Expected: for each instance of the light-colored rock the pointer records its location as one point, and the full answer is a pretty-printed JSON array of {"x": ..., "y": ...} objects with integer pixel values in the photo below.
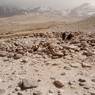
[
  {"x": 3, "y": 53},
  {"x": 85, "y": 64},
  {"x": 27, "y": 84},
  {"x": 17, "y": 56},
  {"x": 37, "y": 93},
  {"x": 75, "y": 65}
]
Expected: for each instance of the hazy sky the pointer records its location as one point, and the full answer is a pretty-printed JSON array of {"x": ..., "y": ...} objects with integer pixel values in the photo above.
[{"x": 58, "y": 4}]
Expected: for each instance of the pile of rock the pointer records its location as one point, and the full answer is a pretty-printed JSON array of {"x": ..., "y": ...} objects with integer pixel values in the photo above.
[{"x": 51, "y": 46}]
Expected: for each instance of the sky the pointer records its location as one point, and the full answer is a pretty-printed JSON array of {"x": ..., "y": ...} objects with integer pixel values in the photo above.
[{"x": 56, "y": 4}]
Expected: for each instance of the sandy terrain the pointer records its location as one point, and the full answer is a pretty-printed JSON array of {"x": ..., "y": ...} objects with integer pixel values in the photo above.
[{"x": 43, "y": 59}]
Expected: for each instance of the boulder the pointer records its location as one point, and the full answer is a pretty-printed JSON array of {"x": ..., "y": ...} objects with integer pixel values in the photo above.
[
  {"x": 58, "y": 84},
  {"x": 17, "y": 56},
  {"x": 27, "y": 84}
]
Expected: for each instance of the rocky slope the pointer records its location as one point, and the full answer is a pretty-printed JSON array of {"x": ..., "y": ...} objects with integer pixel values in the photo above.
[{"x": 48, "y": 63}]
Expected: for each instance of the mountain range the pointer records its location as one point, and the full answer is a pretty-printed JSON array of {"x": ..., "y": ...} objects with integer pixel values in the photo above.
[
  {"x": 6, "y": 11},
  {"x": 84, "y": 10}
]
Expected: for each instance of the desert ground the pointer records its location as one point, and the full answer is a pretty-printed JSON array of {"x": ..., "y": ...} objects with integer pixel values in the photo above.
[{"x": 47, "y": 56}]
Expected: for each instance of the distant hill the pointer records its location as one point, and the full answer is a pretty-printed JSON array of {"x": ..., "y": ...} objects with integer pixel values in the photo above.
[
  {"x": 6, "y": 11},
  {"x": 87, "y": 25},
  {"x": 43, "y": 11},
  {"x": 84, "y": 10}
]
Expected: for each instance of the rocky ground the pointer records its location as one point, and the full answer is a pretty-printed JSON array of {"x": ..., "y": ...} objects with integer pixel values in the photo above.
[{"x": 49, "y": 63}]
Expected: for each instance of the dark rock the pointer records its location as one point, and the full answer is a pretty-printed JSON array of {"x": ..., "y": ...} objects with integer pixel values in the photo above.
[
  {"x": 62, "y": 74},
  {"x": 82, "y": 80},
  {"x": 17, "y": 89},
  {"x": 87, "y": 53},
  {"x": 93, "y": 93},
  {"x": 39, "y": 80},
  {"x": 63, "y": 36},
  {"x": 50, "y": 91},
  {"x": 24, "y": 61},
  {"x": 59, "y": 93},
  {"x": 67, "y": 36},
  {"x": 35, "y": 48},
  {"x": 58, "y": 84},
  {"x": 19, "y": 93},
  {"x": 81, "y": 84},
  {"x": 86, "y": 87},
  {"x": 67, "y": 68}
]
